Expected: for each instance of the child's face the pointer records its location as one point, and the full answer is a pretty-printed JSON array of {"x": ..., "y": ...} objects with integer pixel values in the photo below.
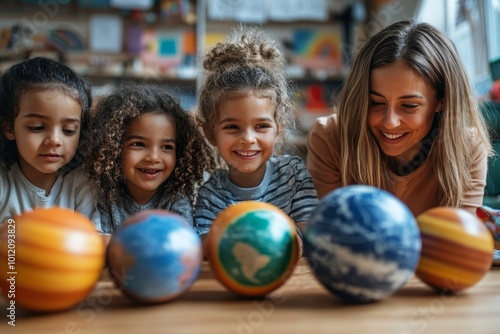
[
  {"x": 245, "y": 134},
  {"x": 148, "y": 155},
  {"x": 46, "y": 130}
]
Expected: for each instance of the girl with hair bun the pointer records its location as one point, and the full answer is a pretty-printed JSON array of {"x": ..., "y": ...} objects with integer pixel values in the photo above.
[{"x": 246, "y": 112}]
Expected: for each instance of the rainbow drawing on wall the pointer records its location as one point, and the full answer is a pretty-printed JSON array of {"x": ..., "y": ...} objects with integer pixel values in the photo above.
[{"x": 317, "y": 49}]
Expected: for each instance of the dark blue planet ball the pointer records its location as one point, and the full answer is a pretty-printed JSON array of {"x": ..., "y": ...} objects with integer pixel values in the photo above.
[
  {"x": 155, "y": 256},
  {"x": 362, "y": 243}
]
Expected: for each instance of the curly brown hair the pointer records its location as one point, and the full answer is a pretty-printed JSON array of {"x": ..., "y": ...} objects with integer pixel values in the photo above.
[
  {"x": 249, "y": 62},
  {"x": 112, "y": 115}
]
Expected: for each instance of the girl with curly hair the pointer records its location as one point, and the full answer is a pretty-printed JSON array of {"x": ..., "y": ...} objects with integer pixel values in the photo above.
[
  {"x": 147, "y": 153},
  {"x": 246, "y": 112}
]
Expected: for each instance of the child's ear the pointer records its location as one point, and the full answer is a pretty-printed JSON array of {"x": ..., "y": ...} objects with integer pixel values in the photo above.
[
  {"x": 208, "y": 134},
  {"x": 7, "y": 131}
]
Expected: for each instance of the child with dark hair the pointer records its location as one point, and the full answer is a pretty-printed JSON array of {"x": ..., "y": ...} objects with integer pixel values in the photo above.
[
  {"x": 147, "y": 153},
  {"x": 44, "y": 107}
]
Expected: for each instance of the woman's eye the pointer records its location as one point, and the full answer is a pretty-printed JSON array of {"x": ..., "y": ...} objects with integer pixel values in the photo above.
[
  {"x": 376, "y": 104},
  {"x": 410, "y": 106}
]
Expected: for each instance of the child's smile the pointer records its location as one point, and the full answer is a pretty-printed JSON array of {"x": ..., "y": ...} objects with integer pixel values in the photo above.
[
  {"x": 148, "y": 155},
  {"x": 245, "y": 136}
]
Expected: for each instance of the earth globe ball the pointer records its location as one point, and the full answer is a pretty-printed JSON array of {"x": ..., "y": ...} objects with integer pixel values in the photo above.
[
  {"x": 457, "y": 249},
  {"x": 362, "y": 243},
  {"x": 50, "y": 259},
  {"x": 155, "y": 256},
  {"x": 252, "y": 248}
]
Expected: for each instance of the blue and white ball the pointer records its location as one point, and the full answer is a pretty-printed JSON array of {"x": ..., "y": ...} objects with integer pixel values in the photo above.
[{"x": 362, "y": 243}]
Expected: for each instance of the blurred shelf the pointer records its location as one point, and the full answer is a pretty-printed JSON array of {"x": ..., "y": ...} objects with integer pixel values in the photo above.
[{"x": 161, "y": 79}]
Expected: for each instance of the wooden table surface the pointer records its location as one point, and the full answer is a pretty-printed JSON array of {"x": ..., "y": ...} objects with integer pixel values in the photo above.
[{"x": 301, "y": 305}]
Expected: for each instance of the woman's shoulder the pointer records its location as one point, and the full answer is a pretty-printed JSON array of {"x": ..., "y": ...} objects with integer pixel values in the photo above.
[
  {"x": 324, "y": 127},
  {"x": 325, "y": 122},
  {"x": 474, "y": 137}
]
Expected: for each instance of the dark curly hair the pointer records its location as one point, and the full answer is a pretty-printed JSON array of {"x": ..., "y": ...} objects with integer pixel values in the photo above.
[
  {"x": 37, "y": 75},
  {"x": 248, "y": 62},
  {"x": 112, "y": 115}
]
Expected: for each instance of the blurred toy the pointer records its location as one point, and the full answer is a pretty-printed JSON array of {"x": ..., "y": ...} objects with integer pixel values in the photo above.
[
  {"x": 456, "y": 249},
  {"x": 362, "y": 243},
  {"x": 155, "y": 256},
  {"x": 252, "y": 248},
  {"x": 495, "y": 91},
  {"x": 491, "y": 217},
  {"x": 50, "y": 259}
]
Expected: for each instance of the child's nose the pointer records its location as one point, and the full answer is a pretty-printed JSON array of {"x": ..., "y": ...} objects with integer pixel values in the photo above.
[
  {"x": 153, "y": 155},
  {"x": 248, "y": 136},
  {"x": 53, "y": 139}
]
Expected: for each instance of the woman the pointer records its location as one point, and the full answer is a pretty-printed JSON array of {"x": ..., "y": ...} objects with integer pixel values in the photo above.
[{"x": 407, "y": 122}]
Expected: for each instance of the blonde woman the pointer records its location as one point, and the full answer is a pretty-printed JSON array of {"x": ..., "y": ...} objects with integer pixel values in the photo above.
[{"x": 407, "y": 121}]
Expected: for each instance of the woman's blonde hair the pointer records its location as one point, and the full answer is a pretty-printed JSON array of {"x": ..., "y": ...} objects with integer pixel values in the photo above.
[{"x": 433, "y": 56}]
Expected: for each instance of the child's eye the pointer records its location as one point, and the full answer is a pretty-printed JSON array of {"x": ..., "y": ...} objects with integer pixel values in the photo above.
[
  {"x": 231, "y": 126},
  {"x": 168, "y": 147},
  {"x": 137, "y": 144},
  {"x": 69, "y": 132},
  {"x": 263, "y": 126},
  {"x": 36, "y": 128}
]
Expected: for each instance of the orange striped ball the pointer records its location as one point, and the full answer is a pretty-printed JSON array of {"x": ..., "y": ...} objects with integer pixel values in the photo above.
[
  {"x": 56, "y": 259},
  {"x": 456, "y": 249}
]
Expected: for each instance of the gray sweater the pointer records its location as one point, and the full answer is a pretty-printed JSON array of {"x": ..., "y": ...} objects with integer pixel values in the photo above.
[{"x": 111, "y": 217}]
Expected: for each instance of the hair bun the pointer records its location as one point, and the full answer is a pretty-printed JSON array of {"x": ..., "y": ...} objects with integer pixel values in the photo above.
[{"x": 244, "y": 48}]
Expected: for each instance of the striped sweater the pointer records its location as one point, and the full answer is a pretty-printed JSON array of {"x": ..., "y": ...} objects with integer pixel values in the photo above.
[{"x": 286, "y": 184}]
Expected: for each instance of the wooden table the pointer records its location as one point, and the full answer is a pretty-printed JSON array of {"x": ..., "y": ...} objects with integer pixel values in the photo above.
[{"x": 301, "y": 305}]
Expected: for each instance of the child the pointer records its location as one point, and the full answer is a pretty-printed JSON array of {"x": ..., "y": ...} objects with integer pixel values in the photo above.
[
  {"x": 44, "y": 108},
  {"x": 245, "y": 110},
  {"x": 147, "y": 153}
]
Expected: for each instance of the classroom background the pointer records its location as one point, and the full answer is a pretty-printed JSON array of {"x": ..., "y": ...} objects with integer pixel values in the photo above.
[{"x": 160, "y": 41}]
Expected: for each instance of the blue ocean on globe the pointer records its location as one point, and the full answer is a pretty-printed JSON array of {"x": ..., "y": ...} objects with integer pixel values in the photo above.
[
  {"x": 164, "y": 255},
  {"x": 362, "y": 243}
]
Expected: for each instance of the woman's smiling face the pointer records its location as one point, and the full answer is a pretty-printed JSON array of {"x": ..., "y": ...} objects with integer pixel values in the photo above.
[{"x": 402, "y": 109}]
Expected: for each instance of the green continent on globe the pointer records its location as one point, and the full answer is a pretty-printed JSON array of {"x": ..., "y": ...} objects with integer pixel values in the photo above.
[
  {"x": 257, "y": 248},
  {"x": 250, "y": 260}
]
